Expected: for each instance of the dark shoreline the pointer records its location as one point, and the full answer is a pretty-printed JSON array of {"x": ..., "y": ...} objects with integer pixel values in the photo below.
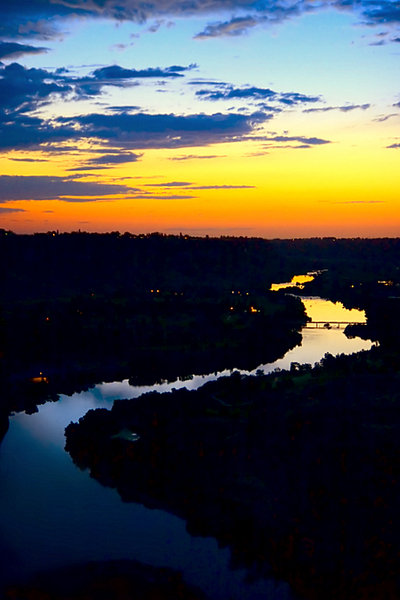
[{"x": 296, "y": 472}]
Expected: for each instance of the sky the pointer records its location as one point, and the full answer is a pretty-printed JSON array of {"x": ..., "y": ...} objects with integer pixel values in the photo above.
[{"x": 269, "y": 118}]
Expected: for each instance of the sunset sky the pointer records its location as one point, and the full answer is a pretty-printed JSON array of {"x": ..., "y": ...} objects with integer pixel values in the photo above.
[{"x": 272, "y": 118}]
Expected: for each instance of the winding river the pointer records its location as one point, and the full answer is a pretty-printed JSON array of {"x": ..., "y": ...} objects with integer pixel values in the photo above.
[{"x": 53, "y": 515}]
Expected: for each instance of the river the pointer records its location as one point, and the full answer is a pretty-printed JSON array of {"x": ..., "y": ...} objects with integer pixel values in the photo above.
[{"x": 53, "y": 515}]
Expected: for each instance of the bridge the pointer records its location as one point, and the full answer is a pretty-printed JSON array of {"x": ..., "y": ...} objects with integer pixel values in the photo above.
[{"x": 331, "y": 324}]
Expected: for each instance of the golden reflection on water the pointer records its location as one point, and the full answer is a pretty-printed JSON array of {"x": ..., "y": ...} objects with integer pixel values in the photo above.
[
  {"x": 297, "y": 280},
  {"x": 319, "y": 309}
]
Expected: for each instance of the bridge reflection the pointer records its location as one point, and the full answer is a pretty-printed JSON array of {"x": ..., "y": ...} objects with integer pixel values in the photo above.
[{"x": 332, "y": 324}]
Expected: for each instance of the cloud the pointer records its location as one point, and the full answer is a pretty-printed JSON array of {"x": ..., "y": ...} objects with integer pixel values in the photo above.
[
  {"x": 191, "y": 186},
  {"x": 383, "y": 118},
  {"x": 381, "y": 12},
  {"x": 6, "y": 210},
  {"x": 14, "y": 50},
  {"x": 162, "y": 197},
  {"x": 292, "y": 98},
  {"x": 196, "y": 156},
  {"x": 141, "y": 131},
  {"x": 127, "y": 131},
  {"x": 305, "y": 141},
  {"x": 222, "y": 187},
  {"x": 30, "y": 160},
  {"x": 393, "y": 146},
  {"x": 121, "y": 77},
  {"x": 115, "y": 159},
  {"x": 345, "y": 108},
  {"x": 108, "y": 160},
  {"x": 227, "y": 92},
  {"x": 233, "y": 28},
  {"x": 120, "y": 47},
  {"x": 25, "y": 89},
  {"x": 115, "y": 72},
  {"x": 40, "y": 187},
  {"x": 48, "y": 19},
  {"x": 170, "y": 184},
  {"x": 19, "y": 131}
]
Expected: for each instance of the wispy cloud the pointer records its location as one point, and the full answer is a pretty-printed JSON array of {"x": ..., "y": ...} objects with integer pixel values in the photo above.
[
  {"x": 13, "y": 50},
  {"x": 4, "y": 210},
  {"x": 197, "y": 156},
  {"x": 232, "y": 28},
  {"x": 40, "y": 187},
  {"x": 345, "y": 108},
  {"x": 383, "y": 118},
  {"x": 223, "y": 91},
  {"x": 107, "y": 160}
]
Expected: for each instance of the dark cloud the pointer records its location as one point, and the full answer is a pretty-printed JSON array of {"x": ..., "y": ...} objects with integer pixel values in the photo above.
[
  {"x": 109, "y": 160},
  {"x": 292, "y": 98},
  {"x": 14, "y": 50},
  {"x": 127, "y": 131},
  {"x": 305, "y": 141},
  {"x": 40, "y": 187},
  {"x": 393, "y": 146},
  {"x": 206, "y": 82},
  {"x": 25, "y": 89},
  {"x": 115, "y": 159},
  {"x": 115, "y": 72},
  {"x": 141, "y": 131},
  {"x": 19, "y": 131},
  {"x": 117, "y": 76},
  {"x": 344, "y": 108},
  {"x": 228, "y": 92},
  {"x": 46, "y": 19},
  {"x": 381, "y": 12},
  {"x": 30, "y": 160},
  {"x": 6, "y": 210}
]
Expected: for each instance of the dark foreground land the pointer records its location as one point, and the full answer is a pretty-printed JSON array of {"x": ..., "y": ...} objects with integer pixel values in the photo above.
[{"x": 297, "y": 472}]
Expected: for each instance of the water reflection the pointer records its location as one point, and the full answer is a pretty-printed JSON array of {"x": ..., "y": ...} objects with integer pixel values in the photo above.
[
  {"x": 319, "y": 309},
  {"x": 297, "y": 281},
  {"x": 51, "y": 514}
]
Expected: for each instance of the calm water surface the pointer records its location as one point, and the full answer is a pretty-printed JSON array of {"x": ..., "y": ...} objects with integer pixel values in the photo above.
[{"x": 52, "y": 514}]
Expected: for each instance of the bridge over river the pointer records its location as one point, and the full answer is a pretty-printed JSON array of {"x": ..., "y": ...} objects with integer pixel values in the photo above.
[{"x": 332, "y": 324}]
